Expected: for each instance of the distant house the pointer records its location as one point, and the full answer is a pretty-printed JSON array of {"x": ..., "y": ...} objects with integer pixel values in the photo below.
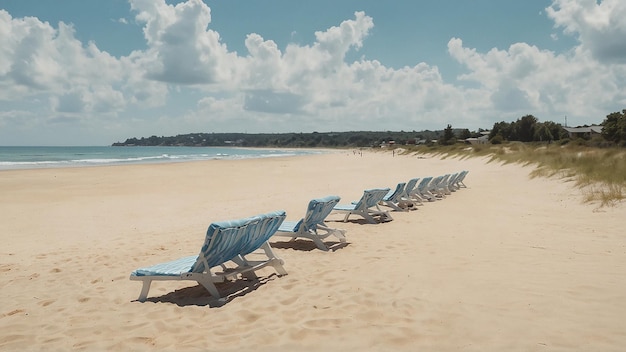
[
  {"x": 483, "y": 139},
  {"x": 415, "y": 141},
  {"x": 583, "y": 132}
]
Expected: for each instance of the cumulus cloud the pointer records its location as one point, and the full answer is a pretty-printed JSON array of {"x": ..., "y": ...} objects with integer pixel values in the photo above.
[
  {"x": 508, "y": 97},
  {"x": 527, "y": 79},
  {"x": 302, "y": 75},
  {"x": 38, "y": 59},
  {"x": 600, "y": 26},
  {"x": 273, "y": 102},
  {"x": 181, "y": 48}
]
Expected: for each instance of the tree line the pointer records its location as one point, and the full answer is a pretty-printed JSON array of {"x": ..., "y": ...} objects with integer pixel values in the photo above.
[
  {"x": 614, "y": 128},
  {"x": 525, "y": 129},
  {"x": 529, "y": 129},
  {"x": 287, "y": 140}
]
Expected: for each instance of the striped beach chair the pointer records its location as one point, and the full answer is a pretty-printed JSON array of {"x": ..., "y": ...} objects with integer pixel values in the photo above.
[
  {"x": 312, "y": 225},
  {"x": 366, "y": 207},
  {"x": 226, "y": 241}
]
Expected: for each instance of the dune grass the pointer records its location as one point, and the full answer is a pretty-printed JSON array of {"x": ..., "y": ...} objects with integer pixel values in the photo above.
[{"x": 600, "y": 173}]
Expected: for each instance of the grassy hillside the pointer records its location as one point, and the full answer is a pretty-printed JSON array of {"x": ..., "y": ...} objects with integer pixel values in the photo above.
[{"x": 600, "y": 173}]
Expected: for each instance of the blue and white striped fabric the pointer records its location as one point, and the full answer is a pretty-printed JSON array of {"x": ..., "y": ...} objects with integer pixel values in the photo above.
[
  {"x": 392, "y": 196},
  {"x": 370, "y": 198},
  {"x": 224, "y": 241},
  {"x": 173, "y": 268},
  {"x": 410, "y": 186},
  {"x": 425, "y": 181},
  {"x": 317, "y": 211}
]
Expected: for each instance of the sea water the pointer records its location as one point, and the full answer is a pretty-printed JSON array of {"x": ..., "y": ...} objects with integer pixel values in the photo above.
[{"x": 54, "y": 157}]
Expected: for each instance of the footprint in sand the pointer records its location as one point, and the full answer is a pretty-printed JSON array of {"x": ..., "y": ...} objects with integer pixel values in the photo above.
[
  {"x": 13, "y": 312},
  {"x": 288, "y": 301},
  {"x": 46, "y": 302},
  {"x": 324, "y": 324}
]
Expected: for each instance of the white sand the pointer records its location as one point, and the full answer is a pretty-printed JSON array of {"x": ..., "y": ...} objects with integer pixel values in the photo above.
[{"x": 509, "y": 263}]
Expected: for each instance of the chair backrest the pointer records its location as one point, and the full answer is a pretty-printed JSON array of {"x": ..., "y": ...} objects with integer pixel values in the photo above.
[
  {"x": 434, "y": 183},
  {"x": 227, "y": 239},
  {"x": 391, "y": 196},
  {"x": 453, "y": 178},
  {"x": 371, "y": 197},
  {"x": 443, "y": 181},
  {"x": 317, "y": 211},
  {"x": 425, "y": 181},
  {"x": 410, "y": 185},
  {"x": 462, "y": 176}
]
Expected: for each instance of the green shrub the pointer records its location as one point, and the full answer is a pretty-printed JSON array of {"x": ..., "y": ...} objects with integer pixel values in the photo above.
[{"x": 497, "y": 139}]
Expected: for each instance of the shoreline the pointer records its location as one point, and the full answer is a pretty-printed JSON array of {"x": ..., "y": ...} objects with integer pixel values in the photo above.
[
  {"x": 507, "y": 263},
  {"x": 34, "y": 158}
]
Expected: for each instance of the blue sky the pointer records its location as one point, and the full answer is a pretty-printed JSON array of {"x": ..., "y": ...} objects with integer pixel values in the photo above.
[{"x": 76, "y": 72}]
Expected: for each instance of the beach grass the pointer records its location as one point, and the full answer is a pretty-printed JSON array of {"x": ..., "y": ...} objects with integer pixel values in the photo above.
[{"x": 600, "y": 173}]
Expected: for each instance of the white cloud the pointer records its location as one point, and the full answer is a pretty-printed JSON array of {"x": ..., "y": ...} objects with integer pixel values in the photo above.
[
  {"x": 600, "y": 26},
  {"x": 38, "y": 59},
  {"x": 181, "y": 49},
  {"x": 525, "y": 79},
  {"x": 290, "y": 82}
]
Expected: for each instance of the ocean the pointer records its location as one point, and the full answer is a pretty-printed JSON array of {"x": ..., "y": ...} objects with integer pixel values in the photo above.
[{"x": 54, "y": 157}]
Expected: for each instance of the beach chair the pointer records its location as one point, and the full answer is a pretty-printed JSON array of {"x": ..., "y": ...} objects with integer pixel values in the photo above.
[
  {"x": 367, "y": 206},
  {"x": 441, "y": 189},
  {"x": 392, "y": 198},
  {"x": 312, "y": 225},
  {"x": 409, "y": 190},
  {"x": 432, "y": 189},
  {"x": 452, "y": 182},
  {"x": 421, "y": 190},
  {"x": 445, "y": 184},
  {"x": 396, "y": 199},
  {"x": 459, "y": 181},
  {"x": 225, "y": 242}
]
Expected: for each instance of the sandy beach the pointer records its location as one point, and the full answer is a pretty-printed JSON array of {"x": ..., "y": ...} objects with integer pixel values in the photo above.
[{"x": 509, "y": 263}]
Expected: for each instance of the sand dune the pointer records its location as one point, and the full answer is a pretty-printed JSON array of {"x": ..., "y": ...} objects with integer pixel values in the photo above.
[{"x": 508, "y": 263}]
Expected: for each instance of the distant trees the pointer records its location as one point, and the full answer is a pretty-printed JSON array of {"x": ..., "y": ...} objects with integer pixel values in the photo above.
[
  {"x": 614, "y": 127},
  {"x": 502, "y": 130},
  {"x": 464, "y": 134},
  {"x": 549, "y": 131},
  {"x": 355, "y": 139},
  {"x": 448, "y": 136},
  {"x": 529, "y": 129},
  {"x": 526, "y": 129},
  {"x": 543, "y": 133}
]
